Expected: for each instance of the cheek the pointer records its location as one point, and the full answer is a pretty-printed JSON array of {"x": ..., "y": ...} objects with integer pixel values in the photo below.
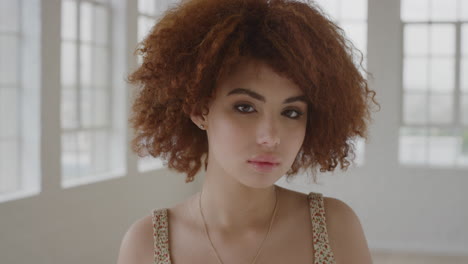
[
  {"x": 231, "y": 129},
  {"x": 225, "y": 127},
  {"x": 293, "y": 137},
  {"x": 297, "y": 138},
  {"x": 228, "y": 139}
]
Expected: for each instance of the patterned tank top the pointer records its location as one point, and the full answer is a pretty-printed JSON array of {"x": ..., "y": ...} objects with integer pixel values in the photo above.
[{"x": 323, "y": 252}]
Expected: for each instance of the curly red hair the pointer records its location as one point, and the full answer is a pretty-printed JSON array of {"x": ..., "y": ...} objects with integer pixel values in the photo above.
[{"x": 196, "y": 42}]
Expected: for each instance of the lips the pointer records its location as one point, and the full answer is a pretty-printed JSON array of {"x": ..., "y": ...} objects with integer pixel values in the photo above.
[
  {"x": 265, "y": 159},
  {"x": 262, "y": 162},
  {"x": 263, "y": 167}
]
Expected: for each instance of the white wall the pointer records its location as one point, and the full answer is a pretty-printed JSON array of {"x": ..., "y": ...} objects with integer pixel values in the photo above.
[{"x": 84, "y": 224}]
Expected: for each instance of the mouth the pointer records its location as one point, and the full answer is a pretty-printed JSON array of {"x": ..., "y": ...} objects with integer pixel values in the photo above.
[{"x": 262, "y": 162}]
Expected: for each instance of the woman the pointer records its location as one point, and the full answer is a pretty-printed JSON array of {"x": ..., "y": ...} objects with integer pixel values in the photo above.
[{"x": 261, "y": 89}]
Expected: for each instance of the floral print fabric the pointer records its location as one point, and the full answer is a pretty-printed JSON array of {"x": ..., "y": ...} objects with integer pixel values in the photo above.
[
  {"x": 323, "y": 252},
  {"x": 161, "y": 237}
]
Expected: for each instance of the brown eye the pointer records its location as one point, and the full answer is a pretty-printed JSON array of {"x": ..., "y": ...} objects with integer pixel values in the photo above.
[
  {"x": 296, "y": 113},
  {"x": 240, "y": 106}
]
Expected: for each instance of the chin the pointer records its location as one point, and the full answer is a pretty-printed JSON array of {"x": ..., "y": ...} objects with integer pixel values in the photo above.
[{"x": 256, "y": 182}]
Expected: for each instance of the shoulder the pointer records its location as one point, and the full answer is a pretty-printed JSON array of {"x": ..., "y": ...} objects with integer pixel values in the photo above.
[
  {"x": 345, "y": 233},
  {"x": 137, "y": 243}
]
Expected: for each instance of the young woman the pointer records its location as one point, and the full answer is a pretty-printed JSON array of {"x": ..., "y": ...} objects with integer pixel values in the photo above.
[{"x": 260, "y": 89}]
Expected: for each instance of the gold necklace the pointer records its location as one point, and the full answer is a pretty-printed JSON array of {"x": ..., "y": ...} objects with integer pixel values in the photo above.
[{"x": 259, "y": 249}]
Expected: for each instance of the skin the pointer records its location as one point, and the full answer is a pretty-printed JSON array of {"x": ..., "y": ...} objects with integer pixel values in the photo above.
[
  {"x": 238, "y": 201},
  {"x": 237, "y": 198}
]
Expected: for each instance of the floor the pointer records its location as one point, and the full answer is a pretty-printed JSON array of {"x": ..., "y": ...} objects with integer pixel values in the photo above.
[{"x": 408, "y": 258}]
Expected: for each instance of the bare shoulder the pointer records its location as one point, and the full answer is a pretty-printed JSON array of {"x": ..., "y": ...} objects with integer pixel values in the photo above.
[
  {"x": 293, "y": 198},
  {"x": 345, "y": 233},
  {"x": 137, "y": 244}
]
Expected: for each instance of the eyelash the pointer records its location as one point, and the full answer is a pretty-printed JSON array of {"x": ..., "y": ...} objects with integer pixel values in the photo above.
[{"x": 299, "y": 113}]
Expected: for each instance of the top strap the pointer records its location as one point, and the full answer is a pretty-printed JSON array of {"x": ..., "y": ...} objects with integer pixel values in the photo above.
[
  {"x": 161, "y": 238},
  {"x": 323, "y": 252}
]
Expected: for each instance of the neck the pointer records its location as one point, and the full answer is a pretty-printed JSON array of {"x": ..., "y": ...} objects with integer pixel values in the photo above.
[{"x": 231, "y": 207}]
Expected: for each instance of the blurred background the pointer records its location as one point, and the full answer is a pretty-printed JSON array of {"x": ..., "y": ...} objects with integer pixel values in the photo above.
[{"x": 70, "y": 186}]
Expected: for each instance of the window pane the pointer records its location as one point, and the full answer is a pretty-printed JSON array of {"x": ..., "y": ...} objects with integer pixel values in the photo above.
[
  {"x": 68, "y": 64},
  {"x": 444, "y": 10},
  {"x": 87, "y": 107},
  {"x": 8, "y": 165},
  {"x": 331, "y": 7},
  {"x": 416, "y": 39},
  {"x": 147, "y": 7},
  {"x": 100, "y": 148},
  {"x": 442, "y": 147},
  {"x": 86, "y": 21},
  {"x": 441, "y": 108},
  {"x": 8, "y": 60},
  {"x": 463, "y": 155},
  {"x": 102, "y": 106},
  {"x": 443, "y": 40},
  {"x": 101, "y": 65},
  {"x": 464, "y": 109},
  {"x": 414, "y": 10},
  {"x": 69, "y": 155},
  {"x": 355, "y": 10},
  {"x": 161, "y": 6},
  {"x": 463, "y": 10},
  {"x": 84, "y": 152},
  {"x": 85, "y": 102},
  {"x": 101, "y": 26},
  {"x": 142, "y": 5},
  {"x": 86, "y": 66},
  {"x": 69, "y": 18},
  {"x": 144, "y": 26},
  {"x": 415, "y": 76},
  {"x": 412, "y": 145},
  {"x": 464, "y": 36},
  {"x": 9, "y": 14},
  {"x": 69, "y": 111},
  {"x": 8, "y": 113},
  {"x": 414, "y": 108},
  {"x": 357, "y": 32},
  {"x": 464, "y": 74},
  {"x": 442, "y": 75}
]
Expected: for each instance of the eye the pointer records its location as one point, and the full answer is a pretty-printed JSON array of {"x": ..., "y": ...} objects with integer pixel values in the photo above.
[
  {"x": 296, "y": 113},
  {"x": 236, "y": 107}
]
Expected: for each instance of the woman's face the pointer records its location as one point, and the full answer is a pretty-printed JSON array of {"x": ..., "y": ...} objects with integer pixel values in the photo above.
[{"x": 251, "y": 115}]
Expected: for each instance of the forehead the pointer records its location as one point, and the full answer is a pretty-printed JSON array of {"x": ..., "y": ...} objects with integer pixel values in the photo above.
[{"x": 259, "y": 76}]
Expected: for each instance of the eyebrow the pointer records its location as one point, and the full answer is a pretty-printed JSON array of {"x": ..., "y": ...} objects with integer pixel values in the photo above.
[{"x": 259, "y": 97}]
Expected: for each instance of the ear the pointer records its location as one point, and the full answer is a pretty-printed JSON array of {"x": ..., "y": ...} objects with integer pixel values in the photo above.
[{"x": 198, "y": 120}]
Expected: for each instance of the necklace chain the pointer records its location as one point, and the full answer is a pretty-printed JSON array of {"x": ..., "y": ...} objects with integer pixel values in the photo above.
[{"x": 259, "y": 249}]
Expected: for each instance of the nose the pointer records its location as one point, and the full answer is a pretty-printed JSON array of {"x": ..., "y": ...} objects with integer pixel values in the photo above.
[{"x": 268, "y": 134}]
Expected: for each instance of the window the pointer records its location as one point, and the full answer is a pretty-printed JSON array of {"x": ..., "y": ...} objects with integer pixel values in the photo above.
[
  {"x": 434, "y": 118},
  {"x": 351, "y": 16},
  {"x": 19, "y": 98},
  {"x": 149, "y": 11},
  {"x": 91, "y": 142}
]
